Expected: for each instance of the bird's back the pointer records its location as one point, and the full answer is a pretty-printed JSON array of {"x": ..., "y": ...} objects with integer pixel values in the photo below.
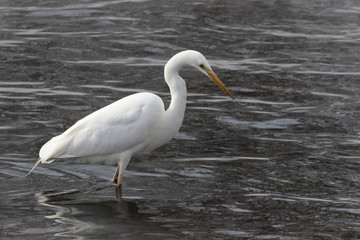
[{"x": 121, "y": 126}]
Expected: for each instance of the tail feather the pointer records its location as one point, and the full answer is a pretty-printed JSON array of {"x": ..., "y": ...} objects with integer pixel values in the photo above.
[{"x": 35, "y": 165}]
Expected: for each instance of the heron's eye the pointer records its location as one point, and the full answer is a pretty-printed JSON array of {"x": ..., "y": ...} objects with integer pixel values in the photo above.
[{"x": 202, "y": 66}]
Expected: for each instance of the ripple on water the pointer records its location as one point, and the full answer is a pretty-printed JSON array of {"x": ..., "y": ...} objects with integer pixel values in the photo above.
[
  {"x": 298, "y": 109},
  {"x": 304, "y": 198},
  {"x": 257, "y": 101},
  {"x": 185, "y": 136},
  {"x": 234, "y": 208},
  {"x": 337, "y": 73},
  {"x": 10, "y": 43},
  {"x": 233, "y": 233},
  {"x": 280, "y": 123},
  {"x": 63, "y": 13},
  {"x": 347, "y": 210},
  {"x": 119, "y": 89},
  {"x": 128, "y": 61},
  {"x": 219, "y": 159}
]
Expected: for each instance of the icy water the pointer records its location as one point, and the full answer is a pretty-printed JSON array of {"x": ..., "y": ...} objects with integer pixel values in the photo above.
[{"x": 281, "y": 162}]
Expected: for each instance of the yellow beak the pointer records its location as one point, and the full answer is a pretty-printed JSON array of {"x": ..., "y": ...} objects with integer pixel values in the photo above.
[{"x": 213, "y": 76}]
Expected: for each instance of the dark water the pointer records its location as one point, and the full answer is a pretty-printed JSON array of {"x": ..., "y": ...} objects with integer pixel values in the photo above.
[{"x": 282, "y": 162}]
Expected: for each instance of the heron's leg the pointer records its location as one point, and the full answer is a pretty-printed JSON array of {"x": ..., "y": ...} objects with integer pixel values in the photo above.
[
  {"x": 122, "y": 166},
  {"x": 115, "y": 178},
  {"x": 119, "y": 179},
  {"x": 118, "y": 192}
]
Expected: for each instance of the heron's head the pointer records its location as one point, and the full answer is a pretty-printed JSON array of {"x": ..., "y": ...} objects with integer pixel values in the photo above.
[
  {"x": 199, "y": 62},
  {"x": 191, "y": 58}
]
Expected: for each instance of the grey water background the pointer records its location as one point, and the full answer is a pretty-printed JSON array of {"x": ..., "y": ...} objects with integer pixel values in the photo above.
[{"x": 281, "y": 162}]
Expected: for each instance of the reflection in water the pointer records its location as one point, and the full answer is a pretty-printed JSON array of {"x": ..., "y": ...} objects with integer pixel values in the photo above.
[
  {"x": 102, "y": 219},
  {"x": 63, "y": 215}
]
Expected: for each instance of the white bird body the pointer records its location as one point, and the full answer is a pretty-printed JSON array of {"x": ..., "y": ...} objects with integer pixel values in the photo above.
[
  {"x": 134, "y": 124},
  {"x": 117, "y": 128}
]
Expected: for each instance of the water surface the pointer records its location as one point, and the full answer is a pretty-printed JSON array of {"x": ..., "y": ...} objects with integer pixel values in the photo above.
[{"x": 281, "y": 162}]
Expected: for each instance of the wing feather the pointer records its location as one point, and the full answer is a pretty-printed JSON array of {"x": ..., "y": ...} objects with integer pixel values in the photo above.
[{"x": 113, "y": 129}]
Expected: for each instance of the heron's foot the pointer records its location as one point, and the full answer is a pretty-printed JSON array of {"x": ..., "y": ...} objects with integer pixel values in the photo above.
[
  {"x": 117, "y": 178},
  {"x": 116, "y": 181}
]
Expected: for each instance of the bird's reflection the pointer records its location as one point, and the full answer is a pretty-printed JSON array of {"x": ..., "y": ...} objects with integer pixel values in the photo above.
[{"x": 82, "y": 215}]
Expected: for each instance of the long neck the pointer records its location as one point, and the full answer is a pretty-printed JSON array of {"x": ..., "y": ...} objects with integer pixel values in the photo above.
[{"x": 178, "y": 93}]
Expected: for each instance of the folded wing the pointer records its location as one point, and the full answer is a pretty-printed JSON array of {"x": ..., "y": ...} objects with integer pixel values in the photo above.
[{"x": 113, "y": 129}]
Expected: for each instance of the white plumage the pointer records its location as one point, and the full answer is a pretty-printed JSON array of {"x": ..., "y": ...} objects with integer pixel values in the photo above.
[{"x": 133, "y": 124}]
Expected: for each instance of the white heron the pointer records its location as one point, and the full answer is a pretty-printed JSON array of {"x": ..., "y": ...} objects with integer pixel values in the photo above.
[{"x": 133, "y": 124}]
